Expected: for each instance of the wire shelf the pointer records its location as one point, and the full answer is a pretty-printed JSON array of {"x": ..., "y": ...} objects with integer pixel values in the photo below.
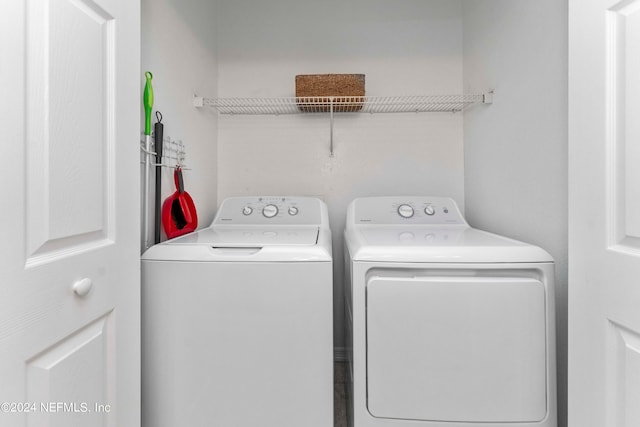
[
  {"x": 344, "y": 104},
  {"x": 361, "y": 104}
]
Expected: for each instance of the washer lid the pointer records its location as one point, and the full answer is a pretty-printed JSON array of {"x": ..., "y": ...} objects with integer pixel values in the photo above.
[
  {"x": 437, "y": 244},
  {"x": 234, "y": 237},
  {"x": 246, "y": 244}
]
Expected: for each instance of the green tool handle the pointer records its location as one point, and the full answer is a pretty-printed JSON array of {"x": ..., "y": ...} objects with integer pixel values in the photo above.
[{"x": 148, "y": 103}]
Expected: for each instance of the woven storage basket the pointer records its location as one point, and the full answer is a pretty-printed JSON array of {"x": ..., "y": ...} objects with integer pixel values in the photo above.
[{"x": 346, "y": 89}]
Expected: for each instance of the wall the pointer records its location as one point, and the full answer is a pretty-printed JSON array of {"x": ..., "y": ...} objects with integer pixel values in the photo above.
[
  {"x": 179, "y": 48},
  {"x": 413, "y": 47},
  {"x": 516, "y": 150}
]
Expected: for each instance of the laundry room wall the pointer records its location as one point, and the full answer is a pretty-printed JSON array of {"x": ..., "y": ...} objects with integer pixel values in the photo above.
[
  {"x": 516, "y": 150},
  {"x": 179, "y": 48},
  {"x": 412, "y": 47}
]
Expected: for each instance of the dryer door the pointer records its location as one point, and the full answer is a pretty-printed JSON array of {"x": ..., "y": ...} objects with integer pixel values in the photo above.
[{"x": 465, "y": 349}]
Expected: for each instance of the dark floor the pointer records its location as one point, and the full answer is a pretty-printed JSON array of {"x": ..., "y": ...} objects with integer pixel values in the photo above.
[{"x": 339, "y": 401}]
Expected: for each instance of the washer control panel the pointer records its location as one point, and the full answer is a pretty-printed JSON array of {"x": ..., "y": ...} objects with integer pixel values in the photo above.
[
  {"x": 406, "y": 210},
  {"x": 275, "y": 210}
]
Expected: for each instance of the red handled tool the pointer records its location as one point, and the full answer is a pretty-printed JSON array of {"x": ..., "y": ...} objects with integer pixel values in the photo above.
[{"x": 179, "y": 214}]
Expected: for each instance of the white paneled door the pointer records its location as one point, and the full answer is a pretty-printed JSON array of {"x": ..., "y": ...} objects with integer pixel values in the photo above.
[
  {"x": 604, "y": 222},
  {"x": 69, "y": 215}
]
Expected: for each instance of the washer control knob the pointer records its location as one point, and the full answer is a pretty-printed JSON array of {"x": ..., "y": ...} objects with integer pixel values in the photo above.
[
  {"x": 247, "y": 210},
  {"x": 405, "y": 211},
  {"x": 293, "y": 210},
  {"x": 429, "y": 210},
  {"x": 270, "y": 211}
]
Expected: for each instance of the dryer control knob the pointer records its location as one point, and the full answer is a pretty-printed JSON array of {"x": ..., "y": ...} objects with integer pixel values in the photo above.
[
  {"x": 405, "y": 211},
  {"x": 247, "y": 210},
  {"x": 270, "y": 211},
  {"x": 293, "y": 211},
  {"x": 429, "y": 210}
]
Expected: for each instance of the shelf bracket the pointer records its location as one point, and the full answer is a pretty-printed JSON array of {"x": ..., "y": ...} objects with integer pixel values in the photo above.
[{"x": 331, "y": 126}]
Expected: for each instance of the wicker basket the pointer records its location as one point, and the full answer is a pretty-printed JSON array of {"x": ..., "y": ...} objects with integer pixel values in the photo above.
[{"x": 346, "y": 89}]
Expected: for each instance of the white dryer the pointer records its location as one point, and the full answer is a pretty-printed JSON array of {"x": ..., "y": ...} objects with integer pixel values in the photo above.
[
  {"x": 237, "y": 319},
  {"x": 447, "y": 325}
]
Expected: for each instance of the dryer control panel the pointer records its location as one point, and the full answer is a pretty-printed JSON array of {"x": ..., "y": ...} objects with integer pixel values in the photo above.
[
  {"x": 272, "y": 210},
  {"x": 405, "y": 210}
]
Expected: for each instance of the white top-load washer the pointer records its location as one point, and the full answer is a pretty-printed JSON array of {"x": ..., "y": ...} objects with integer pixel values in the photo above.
[
  {"x": 447, "y": 325},
  {"x": 237, "y": 319}
]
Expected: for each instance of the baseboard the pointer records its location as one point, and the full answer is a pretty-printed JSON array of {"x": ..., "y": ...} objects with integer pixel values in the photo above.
[{"x": 340, "y": 354}]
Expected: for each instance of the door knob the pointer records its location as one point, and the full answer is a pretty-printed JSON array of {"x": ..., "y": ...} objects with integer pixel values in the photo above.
[{"x": 82, "y": 287}]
